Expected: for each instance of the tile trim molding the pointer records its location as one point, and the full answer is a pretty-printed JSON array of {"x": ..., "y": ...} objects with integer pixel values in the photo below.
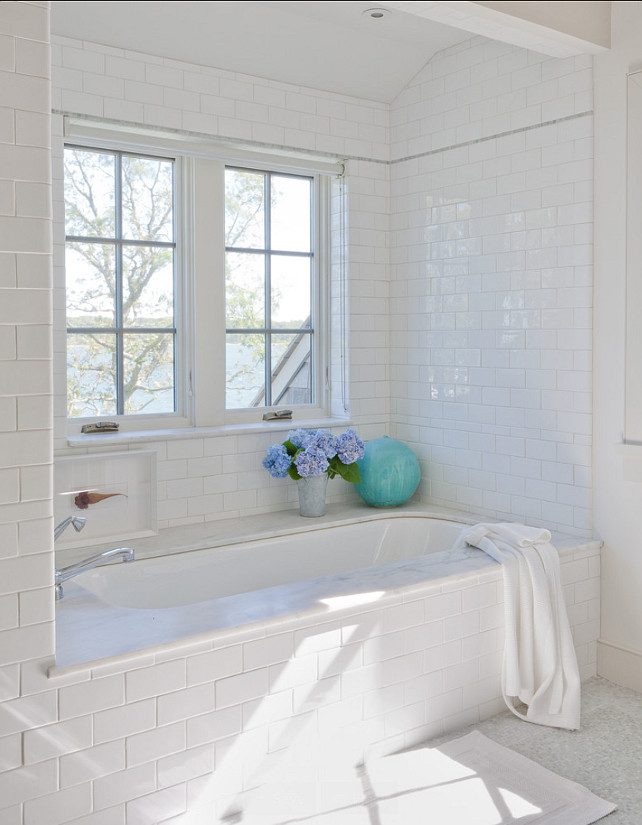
[
  {"x": 164, "y": 131},
  {"x": 619, "y": 664}
]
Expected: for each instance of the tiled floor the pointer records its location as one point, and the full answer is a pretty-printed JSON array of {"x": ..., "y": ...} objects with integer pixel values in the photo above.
[{"x": 604, "y": 756}]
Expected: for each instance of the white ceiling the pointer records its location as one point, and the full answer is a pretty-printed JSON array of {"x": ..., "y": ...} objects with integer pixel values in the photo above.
[{"x": 321, "y": 45}]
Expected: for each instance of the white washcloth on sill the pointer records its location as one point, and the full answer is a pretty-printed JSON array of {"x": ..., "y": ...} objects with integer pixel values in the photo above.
[{"x": 540, "y": 664}]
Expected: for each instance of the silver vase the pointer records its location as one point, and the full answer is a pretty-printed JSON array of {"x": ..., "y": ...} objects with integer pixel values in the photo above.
[{"x": 312, "y": 490}]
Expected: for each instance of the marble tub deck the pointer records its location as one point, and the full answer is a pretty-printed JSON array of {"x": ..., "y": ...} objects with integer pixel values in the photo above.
[{"x": 89, "y": 630}]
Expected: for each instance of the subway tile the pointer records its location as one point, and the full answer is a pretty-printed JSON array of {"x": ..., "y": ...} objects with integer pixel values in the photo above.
[
  {"x": 182, "y": 704},
  {"x": 242, "y": 687},
  {"x": 92, "y": 696},
  {"x": 126, "y": 720},
  {"x": 83, "y": 766},
  {"x": 10, "y": 752},
  {"x": 213, "y": 665},
  {"x": 60, "y": 807},
  {"x": 154, "y": 744},
  {"x": 148, "y": 682},
  {"x": 24, "y": 306},
  {"x": 210, "y": 727},
  {"x": 56, "y": 740},
  {"x": 186, "y": 765},
  {"x": 123, "y": 786},
  {"x": 163, "y": 803}
]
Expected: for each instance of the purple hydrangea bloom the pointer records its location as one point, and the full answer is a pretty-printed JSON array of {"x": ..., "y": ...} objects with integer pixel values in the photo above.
[
  {"x": 311, "y": 462},
  {"x": 301, "y": 438},
  {"x": 277, "y": 461},
  {"x": 325, "y": 441},
  {"x": 350, "y": 447}
]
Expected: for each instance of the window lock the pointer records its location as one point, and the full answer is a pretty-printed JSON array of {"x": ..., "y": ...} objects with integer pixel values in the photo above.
[
  {"x": 100, "y": 427},
  {"x": 277, "y": 415}
]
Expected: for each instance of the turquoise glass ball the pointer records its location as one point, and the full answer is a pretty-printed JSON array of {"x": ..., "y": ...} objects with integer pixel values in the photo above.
[{"x": 389, "y": 471}]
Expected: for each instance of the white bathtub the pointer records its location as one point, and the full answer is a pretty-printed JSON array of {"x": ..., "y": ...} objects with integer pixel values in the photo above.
[
  {"x": 177, "y": 597},
  {"x": 215, "y": 573}
]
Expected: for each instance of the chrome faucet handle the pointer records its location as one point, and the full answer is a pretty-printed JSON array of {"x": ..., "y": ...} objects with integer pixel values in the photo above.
[
  {"x": 126, "y": 554},
  {"x": 77, "y": 522}
]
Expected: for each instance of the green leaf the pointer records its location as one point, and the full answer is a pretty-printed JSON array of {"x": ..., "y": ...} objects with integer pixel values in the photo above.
[
  {"x": 293, "y": 472},
  {"x": 348, "y": 472},
  {"x": 289, "y": 446}
]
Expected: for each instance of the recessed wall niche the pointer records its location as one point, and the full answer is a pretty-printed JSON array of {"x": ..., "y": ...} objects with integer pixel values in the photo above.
[{"x": 116, "y": 492}]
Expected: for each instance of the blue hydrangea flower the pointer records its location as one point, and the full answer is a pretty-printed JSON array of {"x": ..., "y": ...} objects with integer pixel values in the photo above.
[
  {"x": 311, "y": 462},
  {"x": 350, "y": 447},
  {"x": 277, "y": 461},
  {"x": 301, "y": 438},
  {"x": 325, "y": 441}
]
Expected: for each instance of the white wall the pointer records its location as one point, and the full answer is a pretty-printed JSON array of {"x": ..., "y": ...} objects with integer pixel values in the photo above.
[
  {"x": 491, "y": 282},
  {"x": 26, "y": 543},
  {"x": 26, "y": 558},
  {"x": 617, "y": 501}
]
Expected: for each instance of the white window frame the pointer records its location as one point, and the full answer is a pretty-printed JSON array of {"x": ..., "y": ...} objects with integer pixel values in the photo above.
[
  {"x": 199, "y": 299},
  {"x": 178, "y": 417}
]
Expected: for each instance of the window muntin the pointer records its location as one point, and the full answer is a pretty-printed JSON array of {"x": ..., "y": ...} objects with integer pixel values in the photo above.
[
  {"x": 269, "y": 288},
  {"x": 120, "y": 275}
]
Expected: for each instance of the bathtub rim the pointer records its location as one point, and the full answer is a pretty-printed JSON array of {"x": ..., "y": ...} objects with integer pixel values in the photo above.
[{"x": 276, "y": 524}]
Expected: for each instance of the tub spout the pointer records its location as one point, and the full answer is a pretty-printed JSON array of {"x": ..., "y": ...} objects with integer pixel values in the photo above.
[{"x": 123, "y": 553}]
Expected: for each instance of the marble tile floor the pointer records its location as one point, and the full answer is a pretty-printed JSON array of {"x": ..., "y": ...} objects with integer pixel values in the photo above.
[{"x": 604, "y": 756}]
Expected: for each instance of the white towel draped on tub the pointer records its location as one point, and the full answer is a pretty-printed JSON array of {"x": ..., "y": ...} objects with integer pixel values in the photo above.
[{"x": 540, "y": 665}]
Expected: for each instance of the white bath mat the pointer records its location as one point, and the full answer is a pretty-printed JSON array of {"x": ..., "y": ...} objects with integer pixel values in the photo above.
[
  {"x": 468, "y": 781},
  {"x": 474, "y": 781}
]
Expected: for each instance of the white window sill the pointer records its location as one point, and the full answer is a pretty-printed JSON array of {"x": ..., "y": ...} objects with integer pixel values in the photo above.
[{"x": 254, "y": 428}]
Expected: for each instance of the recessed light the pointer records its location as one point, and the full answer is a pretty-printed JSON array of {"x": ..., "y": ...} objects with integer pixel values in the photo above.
[{"x": 376, "y": 14}]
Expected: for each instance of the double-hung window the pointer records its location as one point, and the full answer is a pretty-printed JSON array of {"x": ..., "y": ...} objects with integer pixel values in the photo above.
[{"x": 194, "y": 289}]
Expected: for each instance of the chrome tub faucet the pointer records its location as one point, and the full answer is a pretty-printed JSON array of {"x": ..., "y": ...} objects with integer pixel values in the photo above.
[{"x": 124, "y": 553}]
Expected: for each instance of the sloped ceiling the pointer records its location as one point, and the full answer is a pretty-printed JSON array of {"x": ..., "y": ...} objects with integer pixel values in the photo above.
[{"x": 322, "y": 45}]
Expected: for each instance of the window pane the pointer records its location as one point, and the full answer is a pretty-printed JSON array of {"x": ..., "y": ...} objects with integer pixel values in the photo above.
[
  {"x": 147, "y": 199},
  {"x": 244, "y": 290},
  {"x": 148, "y": 360},
  {"x": 91, "y": 374},
  {"x": 290, "y": 280},
  {"x": 244, "y": 209},
  {"x": 148, "y": 286},
  {"x": 91, "y": 284},
  {"x": 290, "y": 216},
  {"x": 291, "y": 380},
  {"x": 245, "y": 370},
  {"x": 89, "y": 194}
]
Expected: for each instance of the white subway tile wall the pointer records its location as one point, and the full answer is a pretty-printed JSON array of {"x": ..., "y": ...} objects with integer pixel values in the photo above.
[
  {"x": 469, "y": 262},
  {"x": 210, "y": 478},
  {"x": 491, "y": 281},
  {"x": 26, "y": 537}
]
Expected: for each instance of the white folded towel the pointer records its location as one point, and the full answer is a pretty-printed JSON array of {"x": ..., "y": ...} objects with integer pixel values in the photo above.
[{"x": 540, "y": 664}]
